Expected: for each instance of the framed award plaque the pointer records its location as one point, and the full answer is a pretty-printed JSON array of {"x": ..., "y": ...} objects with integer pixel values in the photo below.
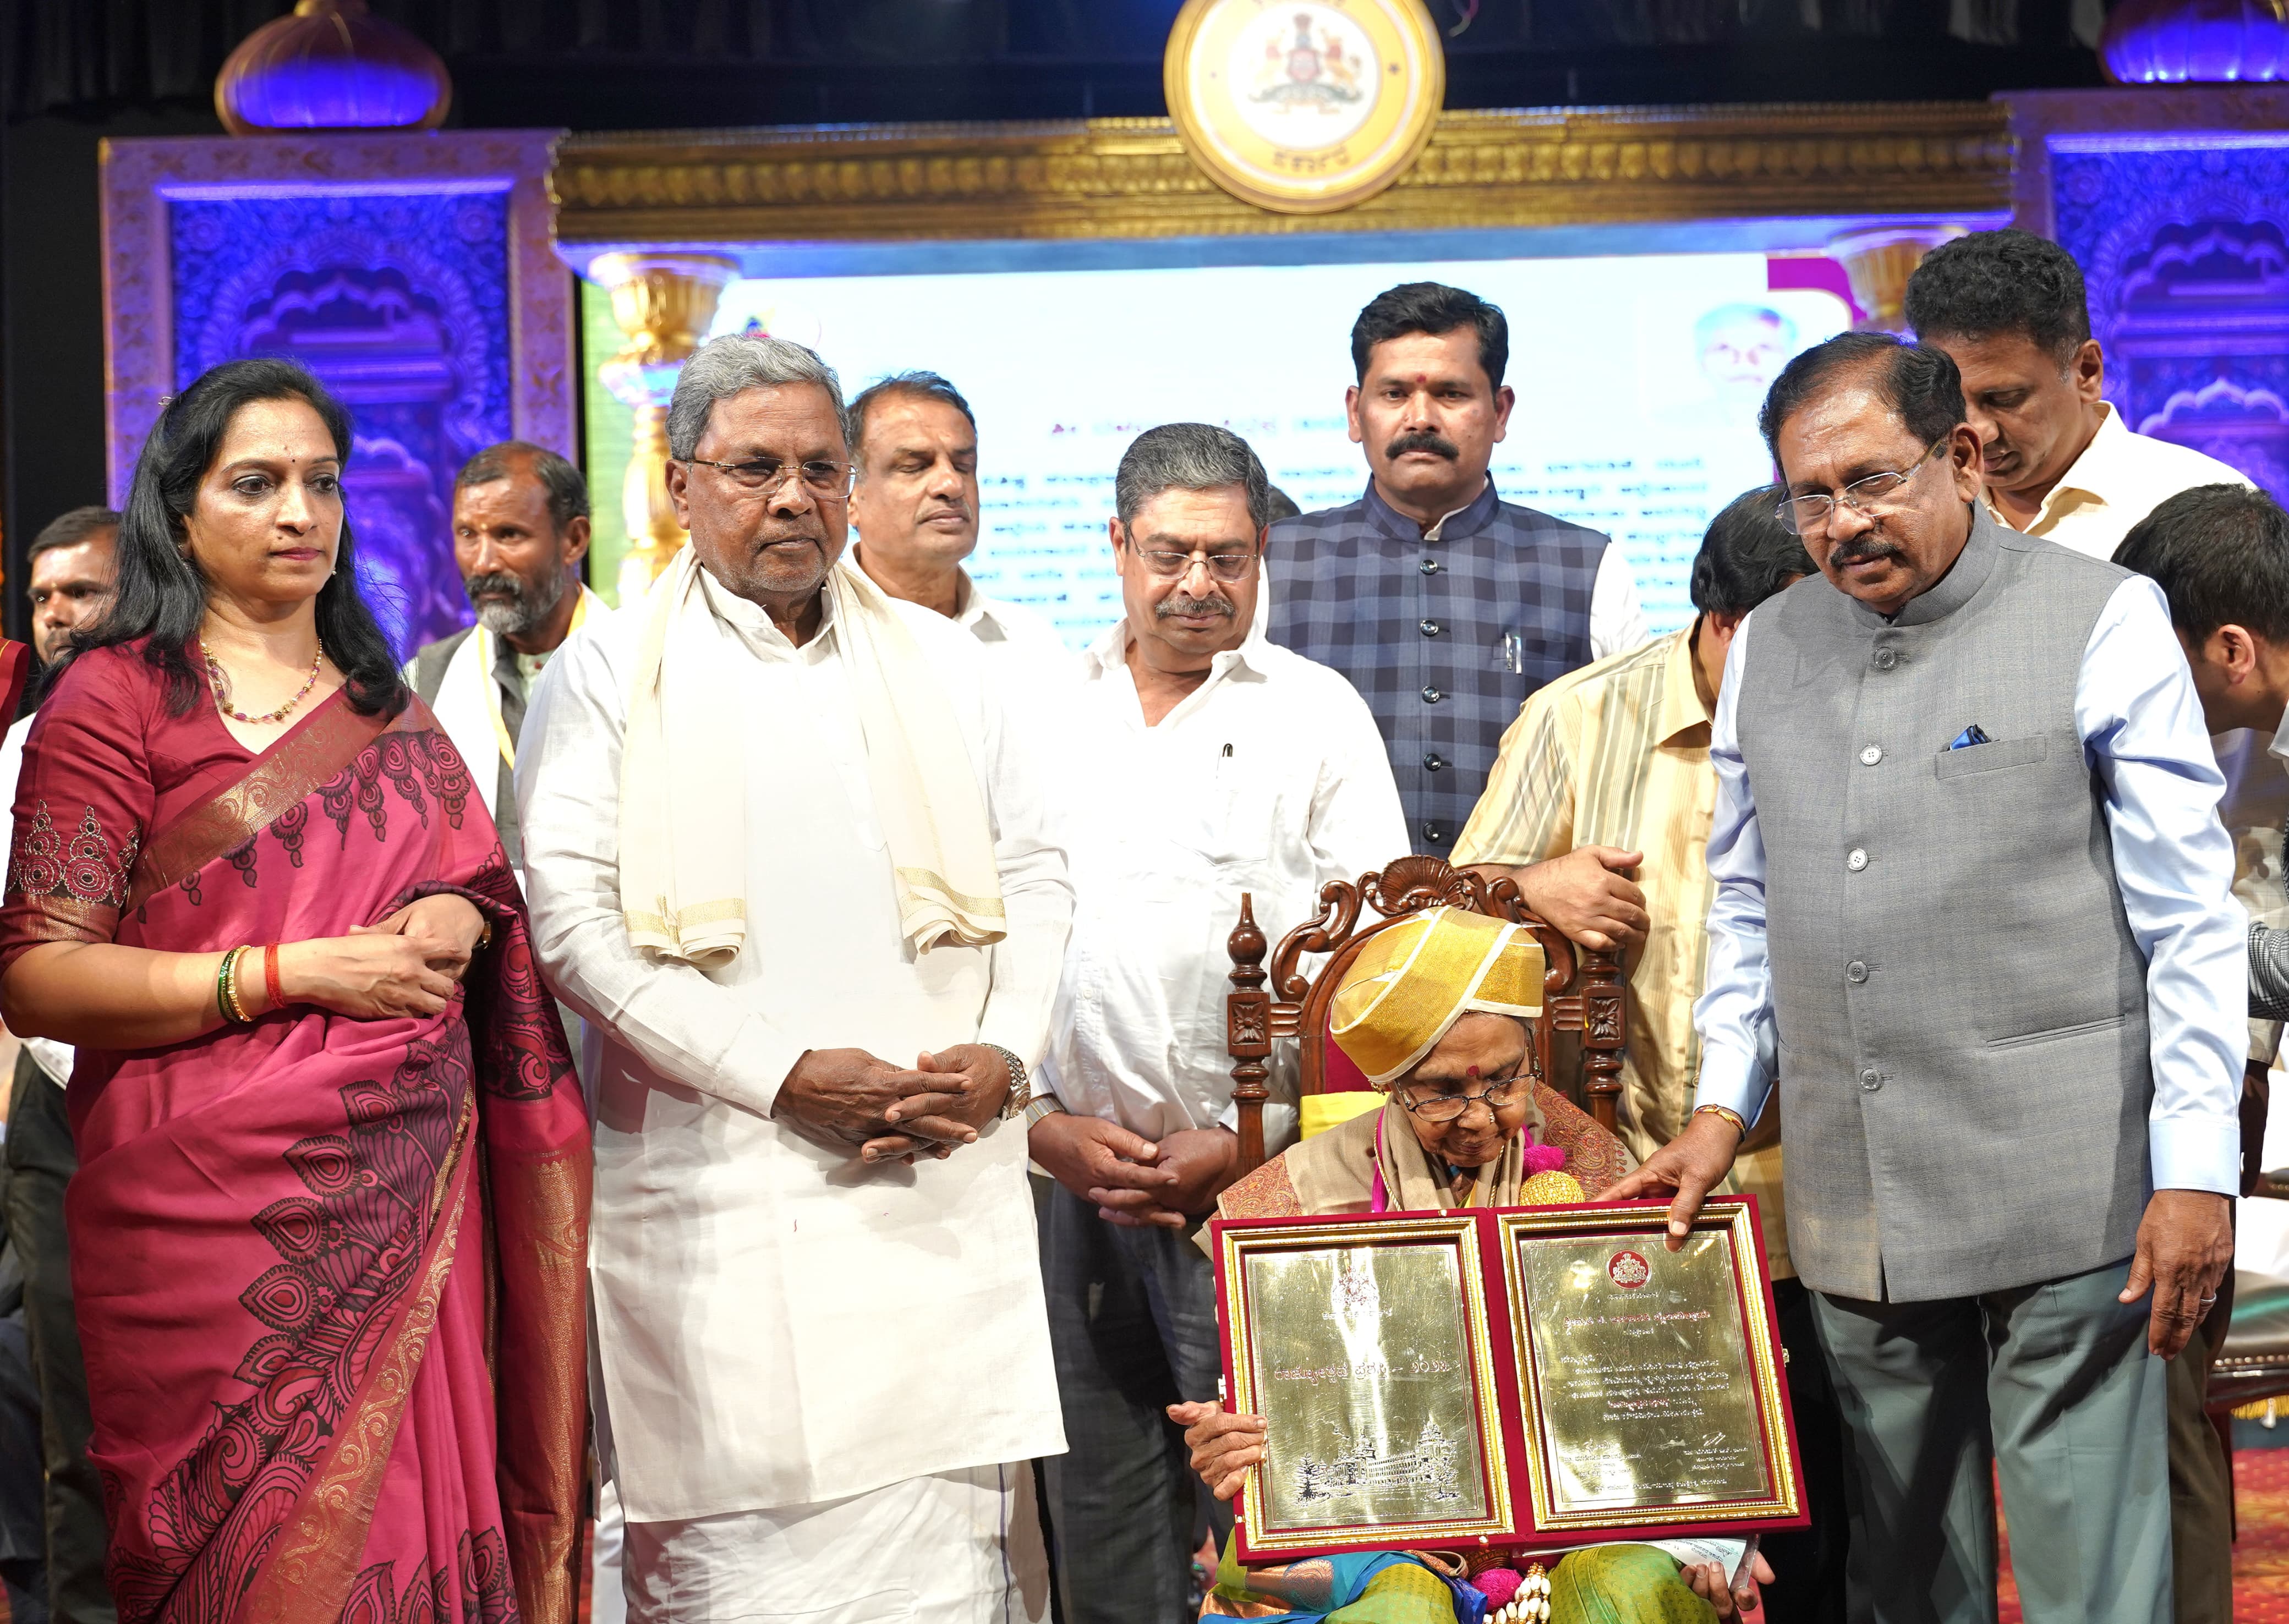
[
  {"x": 1542, "y": 1376},
  {"x": 1649, "y": 1381},
  {"x": 1365, "y": 1347}
]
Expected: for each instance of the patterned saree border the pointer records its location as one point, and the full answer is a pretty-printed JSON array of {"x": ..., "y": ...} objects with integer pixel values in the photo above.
[
  {"x": 282, "y": 776},
  {"x": 65, "y": 919},
  {"x": 319, "y": 1545},
  {"x": 540, "y": 1486}
]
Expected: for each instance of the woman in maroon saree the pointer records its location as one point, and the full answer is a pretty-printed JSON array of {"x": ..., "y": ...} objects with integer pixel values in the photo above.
[{"x": 329, "y": 1259}]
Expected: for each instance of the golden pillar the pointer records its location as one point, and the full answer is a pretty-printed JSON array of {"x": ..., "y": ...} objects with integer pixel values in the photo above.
[
  {"x": 664, "y": 303},
  {"x": 1879, "y": 261}
]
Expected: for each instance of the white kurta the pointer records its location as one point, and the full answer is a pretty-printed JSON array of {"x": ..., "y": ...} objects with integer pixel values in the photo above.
[{"x": 778, "y": 1323}]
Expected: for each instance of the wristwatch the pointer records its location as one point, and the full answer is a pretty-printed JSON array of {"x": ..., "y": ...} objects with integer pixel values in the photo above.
[{"x": 1021, "y": 1090}]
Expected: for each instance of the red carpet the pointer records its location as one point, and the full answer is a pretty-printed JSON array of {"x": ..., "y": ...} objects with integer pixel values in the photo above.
[{"x": 2260, "y": 1555}]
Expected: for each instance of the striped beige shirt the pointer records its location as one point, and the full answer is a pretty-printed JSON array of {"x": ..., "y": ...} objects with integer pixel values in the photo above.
[{"x": 1617, "y": 755}]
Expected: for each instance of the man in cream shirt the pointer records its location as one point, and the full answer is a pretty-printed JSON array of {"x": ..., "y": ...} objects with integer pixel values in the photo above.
[
  {"x": 2009, "y": 309},
  {"x": 782, "y": 856}
]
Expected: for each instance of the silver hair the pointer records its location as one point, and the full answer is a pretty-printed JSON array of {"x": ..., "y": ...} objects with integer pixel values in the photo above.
[
  {"x": 725, "y": 366},
  {"x": 1190, "y": 456}
]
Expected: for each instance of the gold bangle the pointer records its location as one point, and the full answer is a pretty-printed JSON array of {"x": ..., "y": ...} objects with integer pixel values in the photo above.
[
  {"x": 1725, "y": 1111},
  {"x": 233, "y": 1010}
]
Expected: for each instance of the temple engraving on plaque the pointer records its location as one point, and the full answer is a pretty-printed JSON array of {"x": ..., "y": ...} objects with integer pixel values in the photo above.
[
  {"x": 1364, "y": 1379},
  {"x": 1427, "y": 1470}
]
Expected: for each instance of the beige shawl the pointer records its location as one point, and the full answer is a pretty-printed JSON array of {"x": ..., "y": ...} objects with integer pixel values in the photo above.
[{"x": 683, "y": 835}]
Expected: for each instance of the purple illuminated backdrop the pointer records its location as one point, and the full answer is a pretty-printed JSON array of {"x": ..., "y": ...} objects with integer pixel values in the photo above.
[
  {"x": 2176, "y": 202},
  {"x": 412, "y": 273},
  {"x": 399, "y": 302}
]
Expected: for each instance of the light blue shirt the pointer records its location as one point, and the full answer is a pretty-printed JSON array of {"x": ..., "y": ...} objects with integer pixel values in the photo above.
[{"x": 2143, "y": 735}]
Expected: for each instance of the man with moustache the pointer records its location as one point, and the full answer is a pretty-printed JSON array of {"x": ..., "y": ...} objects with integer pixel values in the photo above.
[
  {"x": 1203, "y": 763},
  {"x": 520, "y": 531},
  {"x": 786, "y": 860},
  {"x": 913, "y": 441},
  {"x": 1974, "y": 907},
  {"x": 1445, "y": 605},
  {"x": 72, "y": 568},
  {"x": 2057, "y": 460}
]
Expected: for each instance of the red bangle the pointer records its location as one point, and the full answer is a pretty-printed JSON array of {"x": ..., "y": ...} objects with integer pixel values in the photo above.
[{"x": 271, "y": 976}]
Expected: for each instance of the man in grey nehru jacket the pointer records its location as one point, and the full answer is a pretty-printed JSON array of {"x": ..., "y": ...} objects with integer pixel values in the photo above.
[{"x": 1973, "y": 915}]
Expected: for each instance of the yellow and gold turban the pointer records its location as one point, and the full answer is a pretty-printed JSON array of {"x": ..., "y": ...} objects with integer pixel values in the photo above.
[{"x": 1413, "y": 981}]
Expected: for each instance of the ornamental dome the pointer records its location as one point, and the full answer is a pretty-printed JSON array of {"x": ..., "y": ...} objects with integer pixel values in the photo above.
[
  {"x": 332, "y": 66},
  {"x": 2196, "y": 42}
]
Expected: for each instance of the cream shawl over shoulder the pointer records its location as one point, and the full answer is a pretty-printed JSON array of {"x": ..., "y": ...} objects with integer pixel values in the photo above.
[{"x": 683, "y": 879}]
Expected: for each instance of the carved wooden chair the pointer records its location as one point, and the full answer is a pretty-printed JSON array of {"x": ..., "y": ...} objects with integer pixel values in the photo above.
[{"x": 1583, "y": 992}]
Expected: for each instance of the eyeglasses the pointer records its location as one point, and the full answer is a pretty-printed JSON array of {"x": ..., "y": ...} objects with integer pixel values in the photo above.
[
  {"x": 1173, "y": 566},
  {"x": 1810, "y": 515},
  {"x": 829, "y": 482},
  {"x": 1443, "y": 1108}
]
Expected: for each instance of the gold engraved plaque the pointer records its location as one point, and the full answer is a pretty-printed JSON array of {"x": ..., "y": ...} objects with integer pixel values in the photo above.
[
  {"x": 1648, "y": 1378},
  {"x": 1363, "y": 1349},
  {"x": 1530, "y": 1377}
]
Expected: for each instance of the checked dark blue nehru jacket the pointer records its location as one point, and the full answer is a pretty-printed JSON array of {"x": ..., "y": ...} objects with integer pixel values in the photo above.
[{"x": 1428, "y": 630}]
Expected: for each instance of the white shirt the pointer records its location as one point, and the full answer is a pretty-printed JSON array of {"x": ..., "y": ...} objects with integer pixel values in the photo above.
[
  {"x": 2119, "y": 478},
  {"x": 1008, "y": 630},
  {"x": 2141, "y": 730},
  {"x": 777, "y": 1323},
  {"x": 54, "y": 1059},
  {"x": 1271, "y": 778},
  {"x": 1617, "y": 621}
]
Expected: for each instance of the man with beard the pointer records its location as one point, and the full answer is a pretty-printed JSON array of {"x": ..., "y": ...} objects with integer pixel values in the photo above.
[
  {"x": 784, "y": 859},
  {"x": 1203, "y": 763},
  {"x": 2057, "y": 460},
  {"x": 520, "y": 531},
  {"x": 913, "y": 441},
  {"x": 72, "y": 566},
  {"x": 1445, "y": 605},
  {"x": 1974, "y": 909}
]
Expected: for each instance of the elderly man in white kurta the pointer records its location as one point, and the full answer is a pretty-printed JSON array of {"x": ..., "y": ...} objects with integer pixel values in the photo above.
[{"x": 781, "y": 856}]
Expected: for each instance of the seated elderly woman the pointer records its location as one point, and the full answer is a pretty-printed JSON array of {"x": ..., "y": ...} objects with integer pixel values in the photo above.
[{"x": 1434, "y": 1012}]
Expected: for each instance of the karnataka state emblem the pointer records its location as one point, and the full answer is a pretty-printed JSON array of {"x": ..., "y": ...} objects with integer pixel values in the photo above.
[
  {"x": 1304, "y": 105},
  {"x": 1629, "y": 1270}
]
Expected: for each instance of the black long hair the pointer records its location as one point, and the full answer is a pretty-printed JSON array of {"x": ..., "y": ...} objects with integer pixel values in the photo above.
[{"x": 161, "y": 594}]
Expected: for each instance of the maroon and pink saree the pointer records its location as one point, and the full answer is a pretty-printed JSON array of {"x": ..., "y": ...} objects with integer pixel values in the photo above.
[{"x": 329, "y": 1272}]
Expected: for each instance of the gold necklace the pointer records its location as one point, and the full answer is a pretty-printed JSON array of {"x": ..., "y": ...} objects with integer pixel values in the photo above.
[{"x": 219, "y": 680}]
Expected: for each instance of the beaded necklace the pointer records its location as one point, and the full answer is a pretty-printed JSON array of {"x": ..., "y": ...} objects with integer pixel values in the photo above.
[{"x": 220, "y": 682}]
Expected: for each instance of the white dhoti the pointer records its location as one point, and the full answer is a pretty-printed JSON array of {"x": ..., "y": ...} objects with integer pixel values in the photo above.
[{"x": 955, "y": 1547}]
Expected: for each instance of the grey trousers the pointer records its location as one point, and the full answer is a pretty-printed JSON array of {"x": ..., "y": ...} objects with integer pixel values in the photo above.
[
  {"x": 1132, "y": 1318},
  {"x": 41, "y": 1161},
  {"x": 2048, "y": 1386}
]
